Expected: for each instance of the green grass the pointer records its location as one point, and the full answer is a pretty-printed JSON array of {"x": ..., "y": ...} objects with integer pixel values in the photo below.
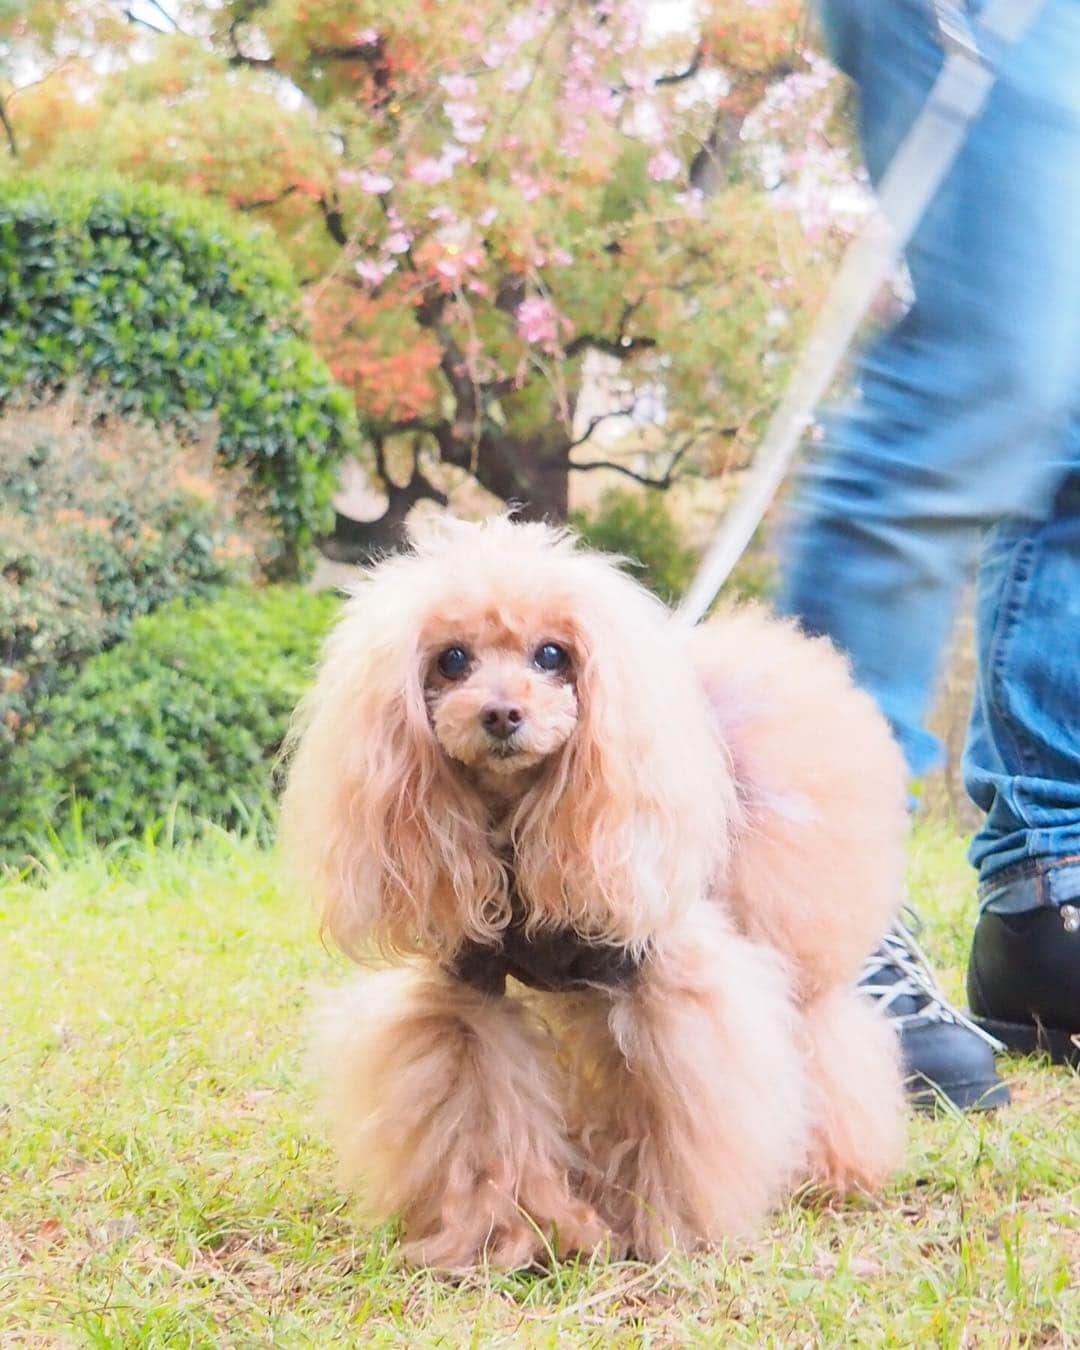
[{"x": 163, "y": 1181}]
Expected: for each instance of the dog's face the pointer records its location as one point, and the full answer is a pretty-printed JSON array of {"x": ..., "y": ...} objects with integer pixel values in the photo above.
[
  {"x": 501, "y": 688},
  {"x": 497, "y": 679}
]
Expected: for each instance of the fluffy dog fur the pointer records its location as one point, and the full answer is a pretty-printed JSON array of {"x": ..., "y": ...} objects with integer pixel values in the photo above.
[{"x": 724, "y": 804}]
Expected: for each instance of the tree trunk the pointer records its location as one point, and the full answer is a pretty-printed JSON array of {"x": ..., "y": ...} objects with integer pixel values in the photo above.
[
  {"x": 534, "y": 477},
  {"x": 357, "y": 541}
]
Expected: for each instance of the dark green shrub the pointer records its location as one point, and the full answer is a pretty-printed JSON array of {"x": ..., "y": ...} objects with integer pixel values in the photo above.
[
  {"x": 102, "y": 519},
  {"x": 640, "y": 526},
  {"x": 174, "y": 309},
  {"x": 190, "y": 710}
]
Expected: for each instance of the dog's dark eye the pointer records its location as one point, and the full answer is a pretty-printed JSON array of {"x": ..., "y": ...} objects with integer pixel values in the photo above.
[
  {"x": 453, "y": 663},
  {"x": 550, "y": 656}
]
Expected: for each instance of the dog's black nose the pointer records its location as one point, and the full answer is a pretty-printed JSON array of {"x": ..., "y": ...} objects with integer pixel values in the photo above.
[{"x": 501, "y": 720}]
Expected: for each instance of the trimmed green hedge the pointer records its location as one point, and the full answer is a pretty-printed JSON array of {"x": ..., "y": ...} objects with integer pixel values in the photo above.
[
  {"x": 189, "y": 711},
  {"x": 174, "y": 309}
]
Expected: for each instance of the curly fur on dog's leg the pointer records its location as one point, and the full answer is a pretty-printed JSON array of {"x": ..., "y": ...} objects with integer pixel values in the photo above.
[
  {"x": 445, "y": 1106},
  {"x": 859, "y": 1096},
  {"x": 693, "y": 1100}
]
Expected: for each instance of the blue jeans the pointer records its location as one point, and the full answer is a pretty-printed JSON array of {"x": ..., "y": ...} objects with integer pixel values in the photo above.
[{"x": 962, "y": 446}]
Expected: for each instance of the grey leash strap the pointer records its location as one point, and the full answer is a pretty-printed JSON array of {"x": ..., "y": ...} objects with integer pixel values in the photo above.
[{"x": 914, "y": 175}]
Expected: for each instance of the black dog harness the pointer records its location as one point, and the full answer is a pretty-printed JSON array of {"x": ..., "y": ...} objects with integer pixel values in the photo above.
[{"x": 555, "y": 960}]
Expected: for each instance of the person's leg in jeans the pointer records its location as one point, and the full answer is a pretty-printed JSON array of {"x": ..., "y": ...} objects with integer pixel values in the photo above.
[
  {"x": 962, "y": 406},
  {"x": 1022, "y": 768}
]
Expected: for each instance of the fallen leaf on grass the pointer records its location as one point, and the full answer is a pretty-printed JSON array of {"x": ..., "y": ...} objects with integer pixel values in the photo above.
[{"x": 51, "y": 1233}]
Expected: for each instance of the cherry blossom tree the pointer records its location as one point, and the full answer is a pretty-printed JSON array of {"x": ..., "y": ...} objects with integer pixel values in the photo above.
[{"x": 485, "y": 199}]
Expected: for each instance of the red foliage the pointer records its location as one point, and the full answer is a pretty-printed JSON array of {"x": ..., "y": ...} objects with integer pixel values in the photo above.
[{"x": 392, "y": 377}]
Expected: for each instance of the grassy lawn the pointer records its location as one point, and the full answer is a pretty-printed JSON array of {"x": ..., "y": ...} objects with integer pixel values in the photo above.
[{"x": 163, "y": 1182}]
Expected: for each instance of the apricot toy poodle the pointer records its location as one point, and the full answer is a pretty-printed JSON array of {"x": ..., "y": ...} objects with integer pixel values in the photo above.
[{"x": 624, "y": 875}]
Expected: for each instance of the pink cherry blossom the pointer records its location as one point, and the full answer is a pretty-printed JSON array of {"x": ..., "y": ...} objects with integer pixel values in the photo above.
[
  {"x": 496, "y": 53},
  {"x": 459, "y": 86},
  {"x": 431, "y": 172},
  {"x": 664, "y": 166},
  {"x": 469, "y": 132},
  {"x": 456, "y": 264},
  {"x": 527, "y": 25},
  {"x": 538, "y": 322},
  {"x": 461, "y": 110},
  {"x": 466, "y": 119},
  {"x": 572, "y": 142},
  {"x": 518, "y": 78},
  {"x": 373, "y": 272},
  {"x": 527, "y": 185},
  {"x": 692, "y": 201},
  {"x": 378, "y": 184}
]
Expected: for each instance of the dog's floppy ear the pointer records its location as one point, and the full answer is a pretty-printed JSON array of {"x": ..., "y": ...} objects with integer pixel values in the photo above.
[
  {"x": 633, "y": 822},
  {"x": 369, "y": 819}
]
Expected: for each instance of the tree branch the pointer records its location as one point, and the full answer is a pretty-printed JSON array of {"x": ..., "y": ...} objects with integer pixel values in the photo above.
[
  {"x": 708, "y": 168},
  {"x": 380, "y": 459},
  {"x": 356, "y": 51},
  {"x": 421, "y": 488},
  {"x": 594, "y": 422},
  {"x": 621, "y": 344},
  {"x": 624, "y": 346},
  {"x": 664, "y": 480},
  {"x": 9, "y": 130},
  {"x": 418, "y": 488},
  {"x": 680, "y": 76},
  {"x": 334, "y": 221},
  {"x": 261, "y": 203},
  {"x": 410, "y": 424},
  {"x": 132, "y": 17},
  {"x": 164, "y": 14},
  {"x": 661, "y": 484},
  {"x": 239, "y": 58}
]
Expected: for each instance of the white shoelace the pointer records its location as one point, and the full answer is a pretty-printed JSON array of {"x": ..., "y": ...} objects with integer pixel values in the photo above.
[{"x": 900, "y": 951}]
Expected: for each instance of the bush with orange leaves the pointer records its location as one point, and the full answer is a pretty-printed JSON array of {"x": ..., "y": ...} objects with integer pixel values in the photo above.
[{"x": 103, "y": 519}]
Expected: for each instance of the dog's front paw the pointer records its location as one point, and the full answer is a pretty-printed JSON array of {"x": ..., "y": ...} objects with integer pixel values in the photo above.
[
  {"x": 489, "y": 1227},
  {"x": 508, "y": 1244}
]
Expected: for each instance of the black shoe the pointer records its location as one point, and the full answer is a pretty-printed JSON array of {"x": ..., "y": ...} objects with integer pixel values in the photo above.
[
  {"x": 946, "y": 1057},
  {"x": 1023, "y": 980}
]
